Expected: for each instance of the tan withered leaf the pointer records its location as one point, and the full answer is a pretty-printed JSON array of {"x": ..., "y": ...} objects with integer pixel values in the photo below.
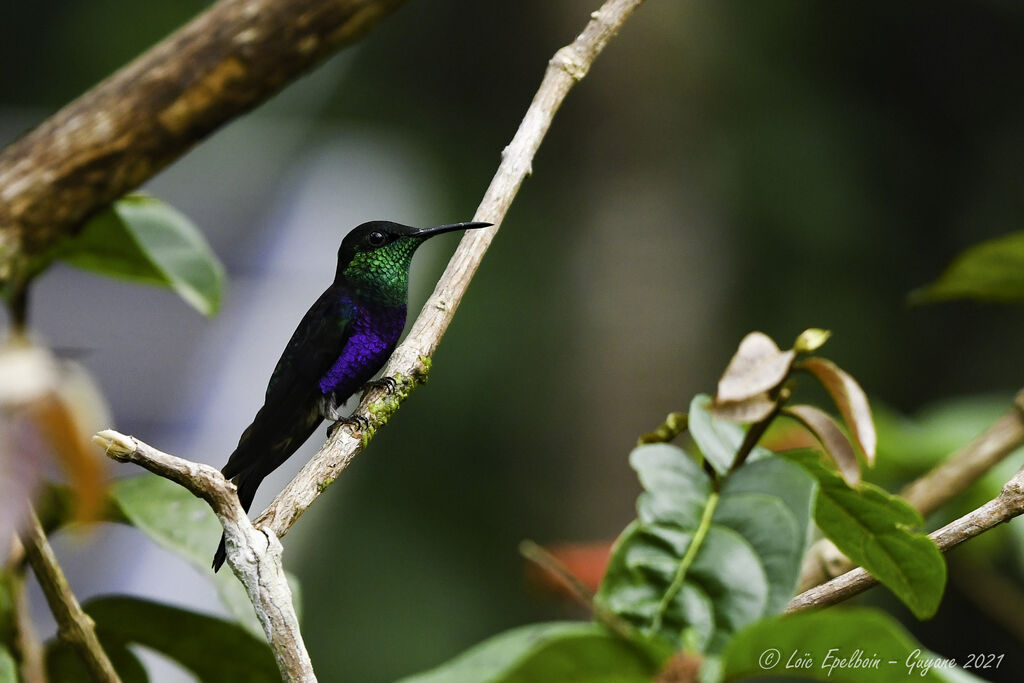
[
  {"x": 753, "y": 409},
  {"x": 58, "y": 404},
  {"x": 758, "y": 366},
  {"x": 87, "y": 473},
  {"x": 831, "y": 437},
  {"x": 850, "y": 399}
]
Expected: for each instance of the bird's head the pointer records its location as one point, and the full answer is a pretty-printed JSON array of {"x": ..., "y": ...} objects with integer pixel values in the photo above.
[{"x": 374, "y": 258}]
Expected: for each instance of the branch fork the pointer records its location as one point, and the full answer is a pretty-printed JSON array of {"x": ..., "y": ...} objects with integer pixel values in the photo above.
[{"x": 254, "y": 553}]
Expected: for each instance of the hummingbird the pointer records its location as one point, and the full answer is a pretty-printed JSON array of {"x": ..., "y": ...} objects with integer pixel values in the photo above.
[{"x": 340, "y": 344}]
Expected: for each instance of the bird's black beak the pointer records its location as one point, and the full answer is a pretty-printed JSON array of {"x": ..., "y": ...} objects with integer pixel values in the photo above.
[{"x": 430, "y": 232}]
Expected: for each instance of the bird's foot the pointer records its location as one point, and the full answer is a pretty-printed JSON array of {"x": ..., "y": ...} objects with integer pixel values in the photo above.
[
  {"x": 360, "y": 422},
  {"x": 388, "y": 384}
]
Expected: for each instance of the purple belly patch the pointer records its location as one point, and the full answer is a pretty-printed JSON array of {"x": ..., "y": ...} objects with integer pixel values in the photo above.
[{"x": 375, "y": 332}]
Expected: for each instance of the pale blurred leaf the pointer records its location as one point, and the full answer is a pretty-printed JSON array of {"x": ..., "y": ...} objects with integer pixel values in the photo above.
[
  {"x": 758, "y": 366},
  {"x": 753, "y": 409}
]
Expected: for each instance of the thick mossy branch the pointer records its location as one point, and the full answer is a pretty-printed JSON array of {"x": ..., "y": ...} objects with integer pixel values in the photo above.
[{"x": 120, "y": 133}]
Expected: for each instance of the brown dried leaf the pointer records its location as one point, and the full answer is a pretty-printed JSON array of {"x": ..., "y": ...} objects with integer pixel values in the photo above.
[
  {"x": 56, "y": 403},
  {"x": 753, "y": 409},
  {"x": 831, "y": 437},
  {"x": 56, "y": 421},
  {"x": 758, "y": 366},
  {"x": 850, "y": 399}
]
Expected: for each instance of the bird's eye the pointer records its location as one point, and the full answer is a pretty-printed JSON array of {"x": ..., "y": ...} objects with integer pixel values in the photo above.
[{"x": 375, "y": 239}]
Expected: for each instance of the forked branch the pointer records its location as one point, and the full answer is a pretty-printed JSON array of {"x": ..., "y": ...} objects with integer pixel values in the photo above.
[{"x": 254, "y": 555}]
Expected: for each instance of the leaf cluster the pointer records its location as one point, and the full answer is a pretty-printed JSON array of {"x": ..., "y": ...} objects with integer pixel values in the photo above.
[{"x": 700, "y": 580}]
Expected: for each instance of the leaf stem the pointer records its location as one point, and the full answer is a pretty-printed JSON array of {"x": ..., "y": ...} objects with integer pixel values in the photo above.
[
  {"x": 758, "y": 429},
  {"x": 547, "y": 562},
  {"x": 686, "y": 562}
]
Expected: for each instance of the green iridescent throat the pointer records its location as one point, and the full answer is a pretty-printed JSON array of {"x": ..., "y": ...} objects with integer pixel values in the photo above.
[{"x": 382, "y": 275}]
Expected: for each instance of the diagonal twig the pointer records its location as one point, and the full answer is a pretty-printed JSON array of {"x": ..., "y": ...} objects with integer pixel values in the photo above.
[
  {"x": 74, "y": 626},
  {"x": 932, "y": 490},
  {"x": 410, "y": 363},
  {"x": 1004, "y": 507}
]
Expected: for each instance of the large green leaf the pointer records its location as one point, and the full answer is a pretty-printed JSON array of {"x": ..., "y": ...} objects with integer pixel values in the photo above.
[
  {"x": 697, "y": 565},
  {"x": 560, "y": 652},
  {"x": 874, "y": 529},
  {"x": 65, "y": 665},
  {"x": 844, "y": 645},
  {"x": 8, "y": 669},
  {"x": 989, "y": 271},
  {"x": 143, "y": 239},
  {"x": 213, "y": 649},
  {"x": 178, "y": 521}
]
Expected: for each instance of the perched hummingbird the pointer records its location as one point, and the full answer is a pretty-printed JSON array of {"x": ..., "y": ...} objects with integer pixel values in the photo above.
[{"x": 341, "y": 342}]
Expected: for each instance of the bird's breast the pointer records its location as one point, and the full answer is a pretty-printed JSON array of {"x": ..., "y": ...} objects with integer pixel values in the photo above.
[{"x": 375, "y": 332}]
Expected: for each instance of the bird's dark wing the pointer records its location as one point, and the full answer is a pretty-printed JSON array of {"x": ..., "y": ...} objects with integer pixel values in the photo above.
[
  {"x": 315, "y": 345},
  {"x": 290, "y": 411}
]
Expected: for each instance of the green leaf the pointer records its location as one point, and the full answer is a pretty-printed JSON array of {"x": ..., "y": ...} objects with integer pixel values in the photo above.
[
  {"x": 143, "y": 239},
  {"x": 698, "y": 565},
  {"x": 8, "y": 669},
  {"x": 548, "y": 653},
  {"x": 717, "y": 439},
  {"x": 178, "y": 521},
  {"x": 989, "y": 271},
  {"x": 64, "y": 665},
  {"x": 873, "y": 528},
  {"x": 811, "y": 339},
  {"x": 811, "y": 644},
  {"x": 213, "y": 649}
]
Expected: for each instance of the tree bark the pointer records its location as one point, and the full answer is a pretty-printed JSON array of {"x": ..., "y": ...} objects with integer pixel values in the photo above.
[{"x": 120, "y": 133}]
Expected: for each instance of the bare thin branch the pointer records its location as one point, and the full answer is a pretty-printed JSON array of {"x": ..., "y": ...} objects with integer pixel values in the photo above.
[
  {"x": 254, "y": 555},
  {"x": 26, "y": 640},
  {"x": 932, "y": 490},
  {"x": 1004, "y": 507},
  {"x": 410, "y": 362},
  {"x": 73, "y": 625}
]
